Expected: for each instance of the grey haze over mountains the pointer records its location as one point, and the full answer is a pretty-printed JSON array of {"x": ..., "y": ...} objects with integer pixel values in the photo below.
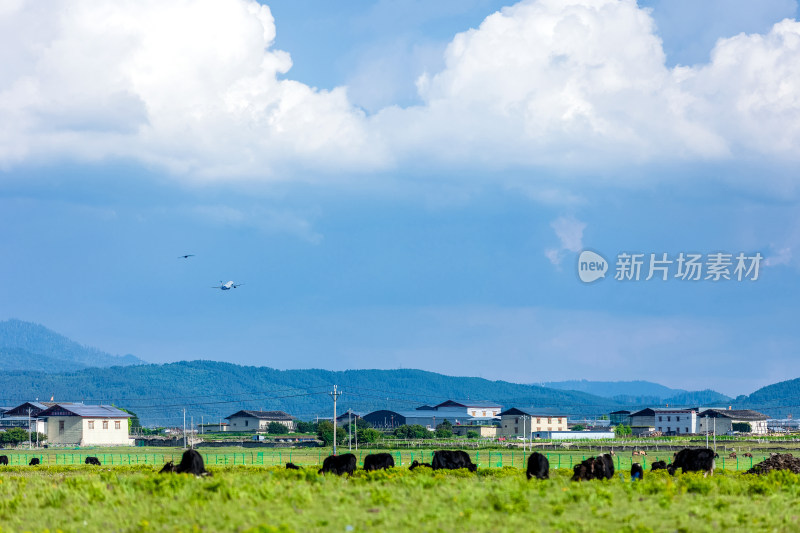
[
  {"x": 640, "y": 392},
  {"x": 29, "y": 346}
]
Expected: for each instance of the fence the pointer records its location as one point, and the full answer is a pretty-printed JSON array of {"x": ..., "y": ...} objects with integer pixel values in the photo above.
[{"x": 484, "y": 459}]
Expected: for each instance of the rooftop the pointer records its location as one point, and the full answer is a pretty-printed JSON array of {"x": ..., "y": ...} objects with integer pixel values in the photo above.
[
  {"x": 85, "y": 411},
  {"x": 262, "y": 415}
]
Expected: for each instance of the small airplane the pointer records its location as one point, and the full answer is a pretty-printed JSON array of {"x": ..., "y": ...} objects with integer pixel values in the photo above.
[
  {"x": 187, "y": 256},
  {"x": 227, "y": 286}
]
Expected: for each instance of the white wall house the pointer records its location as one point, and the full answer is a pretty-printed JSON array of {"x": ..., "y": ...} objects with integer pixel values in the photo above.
[
  {"x": 525, "y": 421},
  {"x": 721, "y": 421},
  {"x": 258, "y": 420},
  {"x": 86, "y": 425},
  {"x": 676, "y": 421}
]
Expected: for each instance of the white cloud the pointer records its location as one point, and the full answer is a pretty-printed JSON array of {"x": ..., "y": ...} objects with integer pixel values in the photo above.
[
  {"x": 197, "y": 87},
  {"x": 189, "y": 85},
  {"x": 569, "y": 231}
]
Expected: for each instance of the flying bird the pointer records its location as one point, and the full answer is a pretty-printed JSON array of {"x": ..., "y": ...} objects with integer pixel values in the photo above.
[
  {"x": 227, "y": 286},
  {"x": 187, "y": 256}
]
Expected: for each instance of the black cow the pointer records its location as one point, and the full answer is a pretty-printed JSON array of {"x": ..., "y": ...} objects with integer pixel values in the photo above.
[
  {"x": 339, "y": 464},
  {"x": 600, "y": 467},
  {"x": 34, "y": 462},
  {"x": 637, "y": 472},
  {"x": 417, "y": 464},
  {"x": 658, "y": 465},
  {"x": 292, "y": 466},
  {"x": 697, "y": 460},
  {"x": 538, "y": 466},
  {"x": 378, "y": 461},
  {"x": 191, "y": 463},
  {"x": 92, "y": 461},
  {"x": 452, "y": 460},
  {"x": 3, "y": 459}
]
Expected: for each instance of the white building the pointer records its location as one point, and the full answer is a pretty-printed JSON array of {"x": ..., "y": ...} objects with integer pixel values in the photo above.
[
  {"x": 525, "y": 421},
  {"x": 573, "y": 435},
  {"x": 247, "y": 420},
  {"x": 86, "y": 425},
  {"x": 721, "y": 421},
  {"x": 671, "y": 421}
]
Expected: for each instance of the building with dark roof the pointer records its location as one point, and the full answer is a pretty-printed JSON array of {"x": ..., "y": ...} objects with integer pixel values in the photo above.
[
  {"x": 527, "y": 420},
  {"x": 248, "y": 420},
  {"x": 720, "y": 421},
  {"x": 77, "y": 424}
]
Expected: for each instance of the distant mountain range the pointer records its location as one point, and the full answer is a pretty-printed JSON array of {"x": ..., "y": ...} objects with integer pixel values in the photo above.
[
  {"x": 39, "y": 363},
  {"x": 641, "y": 392},
  {"x": 29, "y": 346}
]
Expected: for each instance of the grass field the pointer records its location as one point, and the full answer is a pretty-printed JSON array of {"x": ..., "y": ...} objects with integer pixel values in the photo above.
[
  {"x": 233, "y": 456},
  {"x": 260, "y": 499}
]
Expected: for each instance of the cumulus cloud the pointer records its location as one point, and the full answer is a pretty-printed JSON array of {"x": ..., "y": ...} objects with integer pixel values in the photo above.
[
  {"x": 189, "y": 85},
  {"x": 198, "y": 88},
  {"x": 569, "y": 231}
]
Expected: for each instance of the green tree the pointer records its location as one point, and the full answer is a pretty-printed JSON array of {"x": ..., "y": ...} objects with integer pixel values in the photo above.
[
  {"x": 742, "y": 427},
  {"x": 369, "y": 435},
  {"x": 14, "y": 436},
  {"x": 276, "y": 428},
  {"x": 578, "y": 427},
  {"x": 134, "y": 426},
  {"x": 472, "y": 434},
  {"x": 305, "y": 427},
  {"x": 325, "y": 433},
  {"x": 444, "y": 430},
  {"x": 622, "y": 430}
]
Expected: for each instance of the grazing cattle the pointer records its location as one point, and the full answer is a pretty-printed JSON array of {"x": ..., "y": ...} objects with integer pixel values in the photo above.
[
  {"x": 694, "y": 461},
  {"x": 732, "y": 455},
  {"x": 452, "y": 460},
  {"x": 601, "y": 467},
  {"x": 417, "y": 464},
  {"x": 3, "y": 459},
  {"x": 34, "y": 462},
  {"x": 339, "y": 464},
  {"x": 748, "y": 454},
  {"x": 378, "y": 461},
  {"x": 191, "y": 463},
  {"x": 659, "y": 465},
  {"x": 292, "y": 466},
  {"x": 92, "y": 461},
  {"x": 637, "y": 472},
  {"x": 538, "y": 466}
]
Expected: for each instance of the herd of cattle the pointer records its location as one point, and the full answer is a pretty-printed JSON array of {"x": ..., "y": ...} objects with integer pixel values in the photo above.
[{"x": 600, "y": 467}]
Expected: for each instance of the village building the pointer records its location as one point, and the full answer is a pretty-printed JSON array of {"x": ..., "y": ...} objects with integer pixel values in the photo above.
[
  {"x": 721, "y": 421},
  {"x": 670, "y": 421},
  {"x": 248, "y": 420},
  {"x": 525, "y": 421},
  {"x": 86, "y": 425}
]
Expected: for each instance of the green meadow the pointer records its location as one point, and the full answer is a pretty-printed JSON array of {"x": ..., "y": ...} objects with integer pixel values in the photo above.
[{"x": 260, "y": 499}]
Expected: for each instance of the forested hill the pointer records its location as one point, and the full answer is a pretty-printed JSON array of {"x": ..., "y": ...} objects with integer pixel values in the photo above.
[
  {"x": 778, "y": 400},
  {"x": 158, "y": 393},
  {"x": 29, "y": 346}
]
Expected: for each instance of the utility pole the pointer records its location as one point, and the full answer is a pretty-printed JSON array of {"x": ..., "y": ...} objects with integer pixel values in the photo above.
[
  {"x": 202, "y": 425},
  {"x": 356, "y": 432},
  {"x": 715, "y": 434},
  {"x": 29, "y": 428},
  {"x": 706, "y": 431},
  {"x": 191, "y": 428},
  {"x": 334, "y": 395},
  {"x": 184, "y": 428},
  {"x": 349, "y": 431}
]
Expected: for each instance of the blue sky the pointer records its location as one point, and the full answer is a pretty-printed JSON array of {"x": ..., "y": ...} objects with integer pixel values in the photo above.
[{"x": 405, "y": 184}]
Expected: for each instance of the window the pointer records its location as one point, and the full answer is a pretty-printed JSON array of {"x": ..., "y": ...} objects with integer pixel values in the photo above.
[
  {"x": 516, "y": 420},
  {"x": 474, "y": 413},
  {"x": 116, "y": 424},
  {"x": 105, "y": 424},
  {"x": 549, "y": 420},
  {"x": 538, "y": 420},
  {"x": 669, "y": 418},
  {"x": 677, "y": 430},
  {"x": 538, "y": 429},
  {"x": 687, "y": 430},
  {"x": 484, "y": 413},
  {"x": 516, "y": 429},
  {"x": 246, "y": 422},
  {"x": 60, "y": 427},
  {"x": 677, "y": 419},
  {"x": 91, "y": 424},
  {"x": 659, "y": 419}
]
